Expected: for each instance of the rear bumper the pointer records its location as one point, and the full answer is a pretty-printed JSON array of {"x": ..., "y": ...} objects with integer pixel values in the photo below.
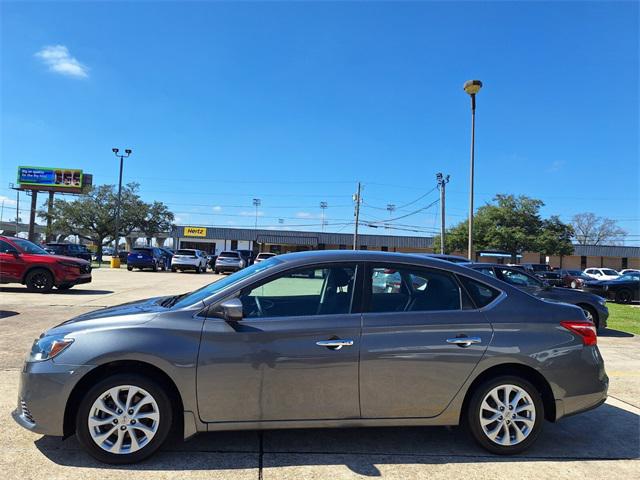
[
  {"x": 141, "y": 263},
  {"x": 184, "y": 266},
  {"x": 228, "y": 268}
]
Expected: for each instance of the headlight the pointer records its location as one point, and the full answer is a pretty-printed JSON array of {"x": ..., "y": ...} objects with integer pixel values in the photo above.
[{"x": 48, "y": 347}]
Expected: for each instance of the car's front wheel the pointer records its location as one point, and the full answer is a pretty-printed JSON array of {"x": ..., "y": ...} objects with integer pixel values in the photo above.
[
  {"x": 624, "y": 296},
  {"x": 124, "y": 418},
  {"x": 39, "y": 280},
  {"x": 505, "y": 415}
]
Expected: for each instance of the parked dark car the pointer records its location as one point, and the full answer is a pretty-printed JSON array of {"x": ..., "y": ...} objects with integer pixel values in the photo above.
[
  {"x": 212, "y": 261},
  {"x": 248, "y": 256},
  {"x": 624, "y": 289},
  {"x": 594, "y": 306},
  {"x": 168, "y": 255},
  {"x": 22, "y": 261},
  {"x": 123, "y": 255},
  {"x": 268, "y": 348},
  {"x": 69, "y": 250},
  {"x": 574, "y": 278},
  {"x": 552, "y": 277},
  {"x": 146, "y": 257},
  {"x": 536, "y": 267}
]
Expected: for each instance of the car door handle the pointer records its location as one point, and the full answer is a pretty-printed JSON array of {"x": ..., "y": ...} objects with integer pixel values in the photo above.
[
  {"x": 336, "y": 344},
  {"x": 464, "y": 341}
]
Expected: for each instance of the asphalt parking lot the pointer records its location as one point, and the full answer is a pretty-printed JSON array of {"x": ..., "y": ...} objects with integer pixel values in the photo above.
[{"x": 603, "y": 443}]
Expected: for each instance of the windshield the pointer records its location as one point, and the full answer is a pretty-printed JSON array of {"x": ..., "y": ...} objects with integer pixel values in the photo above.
[
  {"x": 629, "y": 277},
  {"x": 29, "y": 247},
  {"x": 215, "y": 287}
]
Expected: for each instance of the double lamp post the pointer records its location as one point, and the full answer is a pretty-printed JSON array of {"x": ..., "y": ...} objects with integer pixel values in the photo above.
[{"x": 126, "y": 154}]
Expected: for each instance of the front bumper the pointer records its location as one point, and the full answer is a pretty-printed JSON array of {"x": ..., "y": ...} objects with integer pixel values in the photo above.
[
  {"x": 74, "y": 279},
  {"x": 603, "y": 315},
  {"x": 43, "y": 393}
]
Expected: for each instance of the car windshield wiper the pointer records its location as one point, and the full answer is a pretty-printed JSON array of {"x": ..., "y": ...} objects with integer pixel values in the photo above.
[{"x": 171, "y": 301}]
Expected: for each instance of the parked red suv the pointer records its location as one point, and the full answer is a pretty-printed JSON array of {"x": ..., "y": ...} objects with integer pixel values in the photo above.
[{"x": 22, "y": 261}]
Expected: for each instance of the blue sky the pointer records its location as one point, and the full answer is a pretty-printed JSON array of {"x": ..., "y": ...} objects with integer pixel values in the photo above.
[{"x": 293, "y": 103}]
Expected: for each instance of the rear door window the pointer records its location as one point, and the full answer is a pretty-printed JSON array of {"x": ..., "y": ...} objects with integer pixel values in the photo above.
[
  {"x": 481, "y": 294},
  {"x": 410, "y": 289}
]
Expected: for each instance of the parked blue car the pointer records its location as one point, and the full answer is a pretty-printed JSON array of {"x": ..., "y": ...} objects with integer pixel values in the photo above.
[{"x": 147, "y": 257}]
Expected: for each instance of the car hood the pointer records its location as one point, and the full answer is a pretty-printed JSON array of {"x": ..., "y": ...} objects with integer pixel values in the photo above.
[
  {"x": 131, "y": 313},
  {"x": 77, "y": 260}
]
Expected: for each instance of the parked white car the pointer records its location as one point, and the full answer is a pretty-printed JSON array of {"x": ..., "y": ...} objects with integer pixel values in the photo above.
[
  {"x": 263, "y": 256},
  {"x": 188, "y": 259},
  {"x": 629, "y": 271},
  {"x": 602, "y": 273},
  {"x": 229, "y": 261}
]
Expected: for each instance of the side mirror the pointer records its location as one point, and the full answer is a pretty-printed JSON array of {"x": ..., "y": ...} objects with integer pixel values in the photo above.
[
  {"x": 231, "y": 310},
  {"x": 15, "y": 253}
]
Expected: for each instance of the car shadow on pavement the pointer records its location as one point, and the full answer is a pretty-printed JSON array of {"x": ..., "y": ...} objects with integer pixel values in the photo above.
[
  {"x": 606, "y": 433},
  {"x": 8, "y": 313},
  {"x": 55, "y": 291},
  {"x": 609, "y": 332}
]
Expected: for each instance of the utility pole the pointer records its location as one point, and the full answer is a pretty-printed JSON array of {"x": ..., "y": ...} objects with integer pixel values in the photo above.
[
  {"x": 256, "y": 203},
  {"x": 356, "y": 198},
  {"x": 17, "y": 210},
  {"x": 2, "y": 212},
  {"x": 442, "y": 182},
  {"x": 49, "y": 236},
  {"x": 323, "y": 207}
]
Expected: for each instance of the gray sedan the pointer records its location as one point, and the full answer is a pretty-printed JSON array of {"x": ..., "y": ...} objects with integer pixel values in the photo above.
[{"x": 305, "y": 340}]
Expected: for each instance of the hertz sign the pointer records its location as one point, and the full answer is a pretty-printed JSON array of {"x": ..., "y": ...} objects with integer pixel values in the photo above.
[{"x": 195, "y": 232}]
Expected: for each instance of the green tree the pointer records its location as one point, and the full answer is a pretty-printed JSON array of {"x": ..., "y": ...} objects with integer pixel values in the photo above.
[
  {"x": 158, "y": 219},
  {"x": 92, "y": 216},
  {"x": 511, "y": 224}
]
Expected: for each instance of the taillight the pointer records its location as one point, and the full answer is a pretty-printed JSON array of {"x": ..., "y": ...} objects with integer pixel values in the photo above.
[{"x": 586, "y": 330}]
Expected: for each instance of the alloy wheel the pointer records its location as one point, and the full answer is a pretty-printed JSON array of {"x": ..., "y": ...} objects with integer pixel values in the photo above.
[
  {"x": 123, "y": 419},
  {"x": 507, "y": 415}
]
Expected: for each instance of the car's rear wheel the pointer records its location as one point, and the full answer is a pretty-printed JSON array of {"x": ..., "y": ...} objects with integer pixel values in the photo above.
[
  {"x": 124, "y": 418},
  {"x": 39, "y": 280},
  {"x": 505, "y": 415},
  {"x": 129, "y": 268},
  {"x": 173, "y": 269},
  {"x": 623, "y": 296}
]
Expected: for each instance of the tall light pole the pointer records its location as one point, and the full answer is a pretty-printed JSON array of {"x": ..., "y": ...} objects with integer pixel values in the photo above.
[
  {"x": 390, "y": 208},
  {"x": 323, "y": 207},
  {"x": 126, "y": 154},
  {"x": 256, "y": 203},
  {"x": 472, "y": 87}
]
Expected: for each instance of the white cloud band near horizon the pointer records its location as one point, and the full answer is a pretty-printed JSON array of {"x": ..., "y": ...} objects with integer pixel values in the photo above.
[{"x": 59, "y": 60}]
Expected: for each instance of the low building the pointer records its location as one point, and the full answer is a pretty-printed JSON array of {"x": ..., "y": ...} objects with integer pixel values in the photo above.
[{"x": 217, "y": 239}]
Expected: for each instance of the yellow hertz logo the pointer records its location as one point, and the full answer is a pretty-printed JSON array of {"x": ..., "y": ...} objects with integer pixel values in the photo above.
[{"x": 195, "y": 232}]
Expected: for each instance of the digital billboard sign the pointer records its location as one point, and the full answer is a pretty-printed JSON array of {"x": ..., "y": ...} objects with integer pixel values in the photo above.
[{"x": 50, "y": 177}]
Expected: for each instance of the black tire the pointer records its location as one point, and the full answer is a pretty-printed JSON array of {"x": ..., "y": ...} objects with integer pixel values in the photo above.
[
  {"x": 140, "y": 381},
  {"x": 39, "y": 280},
  {"x": 216, "y": 271},
  {"x": 173, "y": 269},
  {"x": 197, "y": 269},
  {"x": 624, "y": 296},
  {"x": 129, "y": 268},
  {"x": 155, "y": 266},
  {"x": 473, "y": 413},
  {"x": 65, "y": 286},
  {"x": 591, "y": 314}
]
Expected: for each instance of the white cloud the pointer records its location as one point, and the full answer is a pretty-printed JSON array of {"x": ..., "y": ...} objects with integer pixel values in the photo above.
[
  {"x": 6, "y": 201},
  {"x": 304, "y": 215},
  {"x": 59, "y": 60},
  {"x": 217, "y": 208},
  {"x": 248, "y": 213}
]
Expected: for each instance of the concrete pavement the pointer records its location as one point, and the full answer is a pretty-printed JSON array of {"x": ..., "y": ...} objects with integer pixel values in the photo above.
[{"x": 603, "y": 443}]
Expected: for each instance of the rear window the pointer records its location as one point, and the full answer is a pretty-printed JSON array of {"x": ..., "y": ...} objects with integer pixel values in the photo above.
[
  {"x": 229, "y": 255},
  {"x": 608, "y": 271},
  {"x": 55, "y": 248},
  {"x": 148, "y": 251},
  {"x": 481, "y": 294},
  {"x": 186, "y": 252},
  {"x": 265, "y": 255}
]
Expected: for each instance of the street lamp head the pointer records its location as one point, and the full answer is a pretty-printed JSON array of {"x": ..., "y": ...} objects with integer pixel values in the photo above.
[
  {"x": 115, "y": 150},
  {"x": 128, "y": 151},
  {"x": 472, "y": 86}
]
